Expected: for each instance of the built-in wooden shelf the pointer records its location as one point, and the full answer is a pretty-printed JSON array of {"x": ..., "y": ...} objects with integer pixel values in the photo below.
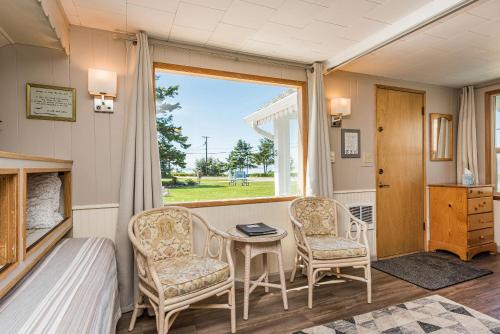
[
  {"x": 31, "y": 238},
  {"x": 17, "y": 257},
  {"x": 9, "y": 219}
]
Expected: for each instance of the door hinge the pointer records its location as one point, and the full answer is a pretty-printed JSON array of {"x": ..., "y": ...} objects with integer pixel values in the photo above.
[
  {"x": 424, "y": 225},
  {"x": 423, "y": 111}
]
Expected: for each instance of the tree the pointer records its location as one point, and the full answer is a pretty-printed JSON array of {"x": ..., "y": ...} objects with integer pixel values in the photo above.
[
  {"x": 265, "y": 154},
  {"x": 210, "y": 167},
  {"x": 171, "y": 141},
  {"x": 241, "y": 156}
]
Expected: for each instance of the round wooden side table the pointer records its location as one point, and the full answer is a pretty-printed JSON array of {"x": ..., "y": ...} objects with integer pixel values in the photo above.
[{"x": 253, "y": 246}]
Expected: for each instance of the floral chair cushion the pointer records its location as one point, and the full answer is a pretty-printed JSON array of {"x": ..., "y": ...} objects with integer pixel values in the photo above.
[
  {"x": 165, "y": 234},
  {"x": 326, "y": 247},
  {"x": 187, "y": 274},
  {"x": 317, "y": 215}
]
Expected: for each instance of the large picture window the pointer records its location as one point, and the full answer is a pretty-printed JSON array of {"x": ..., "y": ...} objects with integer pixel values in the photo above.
[{"x": 226, "y": 136}]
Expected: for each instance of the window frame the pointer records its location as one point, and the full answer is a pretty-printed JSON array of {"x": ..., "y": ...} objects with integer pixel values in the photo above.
[
  {"x": 490, "y": 146},
  {"x": 301, "y": 87}
]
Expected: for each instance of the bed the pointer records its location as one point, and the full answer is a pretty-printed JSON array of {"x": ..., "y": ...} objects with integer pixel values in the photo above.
[{"x": 73, "y": 290}]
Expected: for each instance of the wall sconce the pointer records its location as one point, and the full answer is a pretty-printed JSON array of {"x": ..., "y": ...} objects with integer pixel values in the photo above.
[
  {"x": 102, "y": 84},
  {"x": 339, "y": 108}
]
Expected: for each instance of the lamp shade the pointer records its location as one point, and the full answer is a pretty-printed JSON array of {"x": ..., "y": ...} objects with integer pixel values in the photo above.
[
  {"x": 102, "y": 82},
  {"x": 340, "y": 106}
]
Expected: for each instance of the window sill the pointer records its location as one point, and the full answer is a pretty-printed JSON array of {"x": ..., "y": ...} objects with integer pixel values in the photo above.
[{"x": 238, "y": 201}]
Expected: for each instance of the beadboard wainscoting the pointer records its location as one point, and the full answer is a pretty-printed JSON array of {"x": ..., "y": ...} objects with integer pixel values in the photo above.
[
  {"x": 496, "y": 225},
  {"x": 100, "y": 221}
]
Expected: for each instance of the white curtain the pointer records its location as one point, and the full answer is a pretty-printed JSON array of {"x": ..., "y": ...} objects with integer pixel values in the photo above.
[
  {"x": 467, "y": 140},
  {"x": 140, "y": 187},
  {"x": 319, "y": 181}
]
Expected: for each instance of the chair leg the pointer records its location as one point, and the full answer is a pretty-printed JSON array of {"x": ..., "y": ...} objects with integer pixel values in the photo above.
[
  {"x": 338, "y": 272},
  {"x": 138, "y": 305},
  {"x": 310, "y": 282},
  {"x": 160, "y": 321},
  {"x": 368, "y": 274},
  {"x": 294, "y": 270},
  {"x": 232, "y": 303}
]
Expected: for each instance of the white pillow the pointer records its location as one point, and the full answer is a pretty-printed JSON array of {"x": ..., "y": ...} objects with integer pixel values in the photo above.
[{"x": 42, "y": 201}]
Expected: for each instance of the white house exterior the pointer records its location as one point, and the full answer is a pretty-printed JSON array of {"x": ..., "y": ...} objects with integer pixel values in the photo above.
[{"x": 280, "y": 113}]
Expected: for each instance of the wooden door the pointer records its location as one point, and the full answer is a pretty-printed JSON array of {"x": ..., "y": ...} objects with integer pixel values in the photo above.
[{"x": 400, "y": 172}]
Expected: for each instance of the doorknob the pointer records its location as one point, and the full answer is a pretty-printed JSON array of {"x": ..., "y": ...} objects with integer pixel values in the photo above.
[{"x": 382, "y": 185}]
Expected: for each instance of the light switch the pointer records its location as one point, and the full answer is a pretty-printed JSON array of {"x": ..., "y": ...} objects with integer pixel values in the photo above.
[{"x": 367, "y": 158}]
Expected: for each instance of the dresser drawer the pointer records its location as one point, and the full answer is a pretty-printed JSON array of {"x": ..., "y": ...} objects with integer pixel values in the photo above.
[
  {"x": 479, "y": 237},
  {"x": 480, "y": 204},
  {"x": 479, "y": 192},
  {"x": 480, "y": 220}
]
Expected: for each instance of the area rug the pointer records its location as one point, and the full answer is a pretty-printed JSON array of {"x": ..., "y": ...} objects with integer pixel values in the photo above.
[
  {"x": 434, "y": 314},
  {"x": 430, "y": 271}
]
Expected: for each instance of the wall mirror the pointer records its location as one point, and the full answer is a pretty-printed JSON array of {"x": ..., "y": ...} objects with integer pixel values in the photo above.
[{"x": 441, "y": 137}]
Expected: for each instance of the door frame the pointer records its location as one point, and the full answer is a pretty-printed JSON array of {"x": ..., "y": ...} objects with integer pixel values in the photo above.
[{"x": 424, "y": 160}]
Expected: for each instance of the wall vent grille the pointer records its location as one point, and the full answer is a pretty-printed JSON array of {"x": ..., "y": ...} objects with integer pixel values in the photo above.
[{"x": 363, "y": 212}]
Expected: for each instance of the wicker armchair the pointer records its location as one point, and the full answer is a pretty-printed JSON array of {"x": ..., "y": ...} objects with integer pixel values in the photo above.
[
  {"x": 171, "y": 276},
  {"x": 319, "y": 248}
]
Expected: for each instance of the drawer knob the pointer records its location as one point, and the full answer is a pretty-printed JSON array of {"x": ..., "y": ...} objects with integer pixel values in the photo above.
[
  {"x": 481, "y": 237},
  {"x": 449, "y": 205}
]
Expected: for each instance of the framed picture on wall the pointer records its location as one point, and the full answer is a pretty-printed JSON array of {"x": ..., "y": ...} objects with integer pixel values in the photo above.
[
  {"x": 350, "y": 143},
  {"x": 50, "y": 102}
]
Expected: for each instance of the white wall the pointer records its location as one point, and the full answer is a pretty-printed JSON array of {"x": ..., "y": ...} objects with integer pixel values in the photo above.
[{"x": 94, "y": 141}]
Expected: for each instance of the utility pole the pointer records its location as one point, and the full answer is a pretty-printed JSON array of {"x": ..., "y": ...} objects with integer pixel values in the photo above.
[{"x": 206, "y": 151}]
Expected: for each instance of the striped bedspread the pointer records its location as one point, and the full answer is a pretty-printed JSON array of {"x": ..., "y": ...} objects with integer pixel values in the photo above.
[{"x": 73, "y": 290}]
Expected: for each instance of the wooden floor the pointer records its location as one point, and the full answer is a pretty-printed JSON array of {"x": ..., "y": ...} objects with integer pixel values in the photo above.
[{"x": 331, "y": 302}]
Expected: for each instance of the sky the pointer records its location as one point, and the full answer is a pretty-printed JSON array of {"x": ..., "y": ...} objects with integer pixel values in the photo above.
[{"x": 216, "y": 108}]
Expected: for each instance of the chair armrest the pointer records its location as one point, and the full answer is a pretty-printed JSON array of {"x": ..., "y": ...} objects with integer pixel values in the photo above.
[
  {"x": 145, "y": 268},
  {"x": 299, "y": 234},
  {"x": 361, "y": 227},
  {"x": 223, "y": 240}
]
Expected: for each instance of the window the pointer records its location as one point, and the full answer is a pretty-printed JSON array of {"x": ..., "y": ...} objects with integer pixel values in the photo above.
[
  {"x": 496, "y": 107},
  {"x": 226, "y": 136}
]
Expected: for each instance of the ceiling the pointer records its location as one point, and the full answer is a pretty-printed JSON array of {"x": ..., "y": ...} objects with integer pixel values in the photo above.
[
  {"x": 24, "y": 22},
  {"x": 299, "y": 30},
  {"x": 462, "y": 49}
]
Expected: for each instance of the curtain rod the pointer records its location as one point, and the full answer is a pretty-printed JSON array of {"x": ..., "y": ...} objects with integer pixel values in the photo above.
[{"x": 218, "y": 52}]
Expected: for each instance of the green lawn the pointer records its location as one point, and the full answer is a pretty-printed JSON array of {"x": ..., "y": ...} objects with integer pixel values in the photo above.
[{"x": 218, "y": 189}]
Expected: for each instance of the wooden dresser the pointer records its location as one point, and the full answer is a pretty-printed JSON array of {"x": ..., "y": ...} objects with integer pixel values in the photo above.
[{"x": 461, "y": 219}]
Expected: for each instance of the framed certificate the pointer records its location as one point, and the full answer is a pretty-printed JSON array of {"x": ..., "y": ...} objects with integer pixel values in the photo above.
[
  {"x": 350, "y": 142},
  {"x": 50, "y": 102}
]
